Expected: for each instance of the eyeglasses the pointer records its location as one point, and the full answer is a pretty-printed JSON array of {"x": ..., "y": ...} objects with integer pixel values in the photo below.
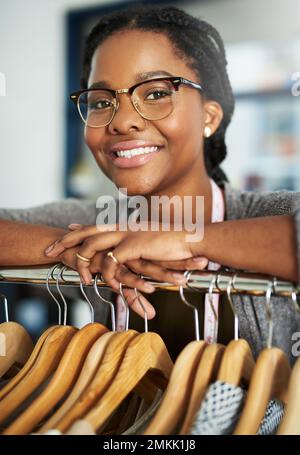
[{"x": 153, "y": 99}]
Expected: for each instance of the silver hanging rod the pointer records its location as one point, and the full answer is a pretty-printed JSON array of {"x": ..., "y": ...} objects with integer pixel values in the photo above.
[{"x": 244, "y": 282}]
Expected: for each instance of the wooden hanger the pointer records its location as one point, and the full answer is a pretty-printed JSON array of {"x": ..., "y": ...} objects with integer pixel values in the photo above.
[
  {"x": 146, "y": 351},
  {"x": 108, "y": 368},
  {"x": 15, "y": 342},
  {"x": 231, "y": 364},
  {"x": 290, "y": 424},
  {"x": 28, "y": 365},
  {"x": 175, "y": 398},
  {"x": 46, "y": 362},
  {"x": 269, "y": 380},
  {"x": 103, "y": 378},
  {"x": 206, "y": 373},
  {"x": 37, "y": 348},
  {"x": 237, "y": 363},
  {"x": 63, "y": 378},
  {"x": 88, "y": 371}
]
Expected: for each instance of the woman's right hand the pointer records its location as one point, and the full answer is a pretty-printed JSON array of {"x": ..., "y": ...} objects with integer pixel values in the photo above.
[{"x": 158, "y": 271}]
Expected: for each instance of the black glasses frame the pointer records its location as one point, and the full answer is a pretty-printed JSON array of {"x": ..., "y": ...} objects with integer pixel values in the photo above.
[{"x": 176, "y": 81}]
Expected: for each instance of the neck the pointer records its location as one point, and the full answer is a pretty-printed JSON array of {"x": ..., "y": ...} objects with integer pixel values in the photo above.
[{"x": 192, "y": 186}]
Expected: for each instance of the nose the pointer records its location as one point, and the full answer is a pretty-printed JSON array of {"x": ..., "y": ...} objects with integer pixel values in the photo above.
[{"x": 126, "y": 118}]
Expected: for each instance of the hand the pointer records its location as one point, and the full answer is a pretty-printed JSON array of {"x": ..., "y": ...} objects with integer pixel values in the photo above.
[{"x": 135, "y": 248}]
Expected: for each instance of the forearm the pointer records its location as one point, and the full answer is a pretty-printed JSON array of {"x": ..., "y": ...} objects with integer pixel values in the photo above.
[
  {"x": 24, "y": 244},
  {"x": 264, "y": 245}
]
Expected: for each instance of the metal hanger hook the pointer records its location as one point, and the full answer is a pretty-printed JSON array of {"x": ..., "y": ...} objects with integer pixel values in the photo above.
[
  {"x": 60, "y": 277},
  {"x": 187, "y": 275},
  {"x": 126, "y": 306},
  {"x": 294, "y": 294},
  {"x": 271, "y": 288},
  {"x": 88, "y": 301},
  {"x": 5, "y": 307},
  {"x": 111, "y": 305},
  {"x": 50, "y": 272},
  {"x": 229, "y": 288},
  {"x": 143, "y": 308}
]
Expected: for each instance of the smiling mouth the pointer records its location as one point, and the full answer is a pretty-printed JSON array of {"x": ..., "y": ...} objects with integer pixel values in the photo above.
[{"x": 134, "y": 152}]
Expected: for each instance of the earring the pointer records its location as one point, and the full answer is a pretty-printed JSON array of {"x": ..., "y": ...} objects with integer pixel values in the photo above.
[{"x": 207, "y": 131}]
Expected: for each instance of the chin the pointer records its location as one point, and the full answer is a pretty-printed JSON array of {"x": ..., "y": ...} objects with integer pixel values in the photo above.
[{"x": 135, "y": 188}]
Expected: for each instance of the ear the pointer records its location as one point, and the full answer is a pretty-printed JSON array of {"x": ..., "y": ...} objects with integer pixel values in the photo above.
[{"x": 213, "y": 115}]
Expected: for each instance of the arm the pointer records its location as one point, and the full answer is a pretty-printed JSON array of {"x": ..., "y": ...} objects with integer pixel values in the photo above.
[
  {"x": 26, "y": 233},
  {"x": 24, "y": 244},
  {"x": 265, "y": 245}
]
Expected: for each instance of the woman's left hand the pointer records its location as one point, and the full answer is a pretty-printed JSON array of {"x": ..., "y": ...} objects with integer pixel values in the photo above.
[{"x": 152, "y": 250}]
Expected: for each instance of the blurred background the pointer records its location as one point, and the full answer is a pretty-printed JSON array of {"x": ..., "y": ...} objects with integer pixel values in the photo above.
[{"x": 43, "y": 157}]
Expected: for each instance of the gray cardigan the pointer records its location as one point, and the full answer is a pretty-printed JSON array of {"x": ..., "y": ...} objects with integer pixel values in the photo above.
[{"x": 239, "y": 204}]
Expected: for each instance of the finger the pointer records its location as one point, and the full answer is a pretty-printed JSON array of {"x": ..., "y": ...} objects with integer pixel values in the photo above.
[
  {"x": 91, "y": 246},
  {"x": 155, "y": 271},
  {"x": 196, "y": 263},
  {"x": 76, "y": 237},
  {"x": 135, "y": 303},
  {"x": 123, "y": 275}
]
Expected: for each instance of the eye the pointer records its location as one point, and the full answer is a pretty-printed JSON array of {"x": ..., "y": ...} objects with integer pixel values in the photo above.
[
  {"x": 158, "y": 94},
  {"x": 99, "y": 105}
]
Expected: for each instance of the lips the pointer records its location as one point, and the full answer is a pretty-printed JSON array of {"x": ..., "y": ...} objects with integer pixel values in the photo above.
[{"x": 134, "y": 153}]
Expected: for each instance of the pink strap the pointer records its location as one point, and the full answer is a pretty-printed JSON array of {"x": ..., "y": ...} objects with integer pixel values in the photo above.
[{"x": 210, "y": 322}]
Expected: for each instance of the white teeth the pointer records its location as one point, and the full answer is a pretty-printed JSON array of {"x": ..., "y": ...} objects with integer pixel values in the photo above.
[{"x": 136, "y": 151}]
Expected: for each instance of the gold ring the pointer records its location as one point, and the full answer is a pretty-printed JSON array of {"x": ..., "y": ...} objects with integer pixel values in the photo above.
[
  {"x": 111, "y": 255},
  {"x": 82, "y": 258}
]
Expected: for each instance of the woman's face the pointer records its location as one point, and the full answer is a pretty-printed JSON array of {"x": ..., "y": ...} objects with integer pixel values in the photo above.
[{"x": 179, "y": 137}]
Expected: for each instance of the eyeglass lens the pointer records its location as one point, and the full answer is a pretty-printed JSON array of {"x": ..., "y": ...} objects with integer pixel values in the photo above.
[{"x": 153, "y": 100}]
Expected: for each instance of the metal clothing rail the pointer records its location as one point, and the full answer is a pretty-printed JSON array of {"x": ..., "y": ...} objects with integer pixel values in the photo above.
[{"x": 217, "y": 281}]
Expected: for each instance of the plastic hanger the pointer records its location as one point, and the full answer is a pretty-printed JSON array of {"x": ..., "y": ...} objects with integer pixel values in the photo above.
[
  {"x": 104, "y": 376},
  {"x": 37, "y": 348},
  {"x": 63, "y": 379},
  {"x": 176, "y": 397},
  {"x": 290, "y": 424},
  {"x": 15, "y": 342},
  {"x": 88, "y": 371},
  {"x": 205, "y": 374},
  {"x": 269, "y": 380}
]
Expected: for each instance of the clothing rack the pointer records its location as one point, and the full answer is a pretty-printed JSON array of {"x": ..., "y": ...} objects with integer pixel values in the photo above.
[{"x": 216, "y": 281}]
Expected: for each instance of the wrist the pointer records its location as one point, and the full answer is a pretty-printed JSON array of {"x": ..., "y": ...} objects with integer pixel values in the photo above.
[{"x": 197, "y": 241}]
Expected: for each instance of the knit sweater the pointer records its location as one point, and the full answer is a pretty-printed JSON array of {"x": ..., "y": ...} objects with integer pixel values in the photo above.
[{"x": 239, "y": 204}]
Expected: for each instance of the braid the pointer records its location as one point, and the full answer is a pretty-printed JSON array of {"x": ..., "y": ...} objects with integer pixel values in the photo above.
[{"x": 197, "y": 43}]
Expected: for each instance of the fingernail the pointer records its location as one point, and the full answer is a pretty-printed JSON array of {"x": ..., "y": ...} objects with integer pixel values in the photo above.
[
  {"x": 50, "y": 248},
  {"x": 200, "y": 260},
  {"x": 74, "y": 226},
  {"x": 179, "y": 277},
  {"x": 149, "y": 287}
]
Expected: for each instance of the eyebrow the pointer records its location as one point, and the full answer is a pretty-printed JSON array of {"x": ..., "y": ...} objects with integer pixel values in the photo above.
[{"x": 139, "y": 77}]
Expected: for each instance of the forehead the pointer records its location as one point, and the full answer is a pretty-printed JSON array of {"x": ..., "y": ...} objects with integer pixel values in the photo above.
[{"x": 124, "y": 55}]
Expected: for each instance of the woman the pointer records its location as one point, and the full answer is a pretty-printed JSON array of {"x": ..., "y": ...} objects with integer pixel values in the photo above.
[{"x": 165, "y": 136}]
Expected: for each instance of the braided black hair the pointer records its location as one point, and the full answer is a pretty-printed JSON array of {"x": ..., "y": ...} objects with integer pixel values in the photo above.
[{"x": 194, "y": 40}]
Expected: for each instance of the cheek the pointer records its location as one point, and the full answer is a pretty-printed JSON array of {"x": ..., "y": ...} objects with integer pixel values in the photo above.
[
  {"x": 94, "y": 137},
  {"x": 184, "y": 126}
]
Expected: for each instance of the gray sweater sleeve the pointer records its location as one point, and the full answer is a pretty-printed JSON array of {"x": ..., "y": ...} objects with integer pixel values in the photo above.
[
  {"x": 296, "y": 211},
  {"x": 55, "y": 214},
  {"x": 249, "y": 204}
]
